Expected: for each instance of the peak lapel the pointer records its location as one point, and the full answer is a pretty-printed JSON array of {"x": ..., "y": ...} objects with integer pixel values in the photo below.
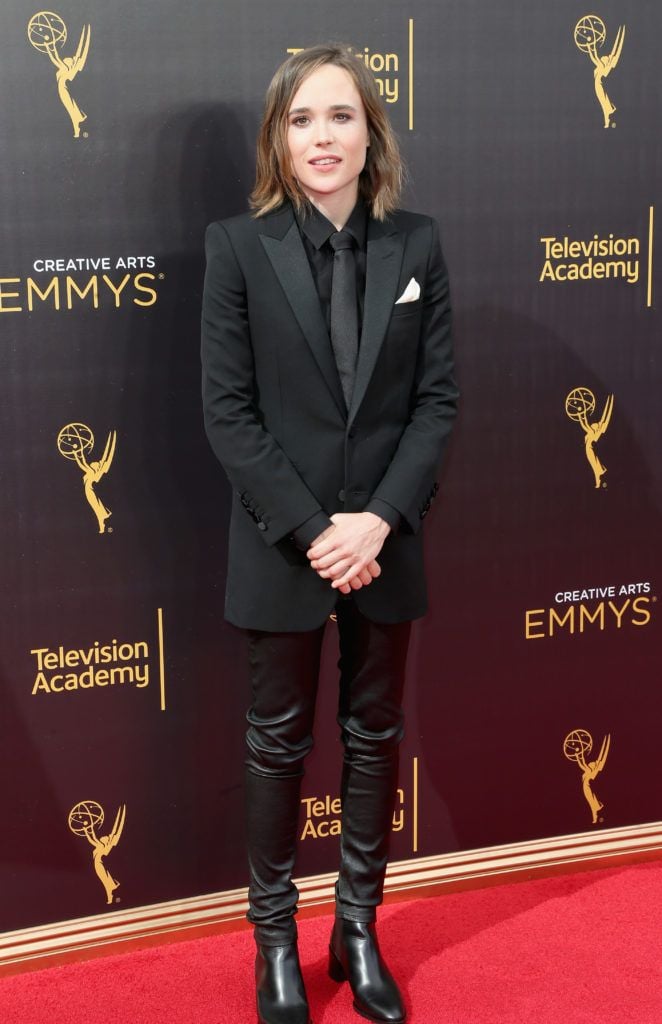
[
  {"x": 384, "y": 259},
  {"x": 288, "y": 258}
]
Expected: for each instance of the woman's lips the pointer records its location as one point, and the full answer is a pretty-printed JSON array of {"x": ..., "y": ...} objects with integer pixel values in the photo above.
[{"x": 324, "y": 163}]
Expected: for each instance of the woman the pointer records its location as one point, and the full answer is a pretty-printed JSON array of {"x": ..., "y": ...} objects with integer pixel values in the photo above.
[{"x": 328, "y": 398}]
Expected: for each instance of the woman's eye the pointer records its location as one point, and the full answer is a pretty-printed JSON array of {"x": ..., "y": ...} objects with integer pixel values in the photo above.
[
  {"x": 342, "y": 117},
  {"x": 300, "y": 120}
]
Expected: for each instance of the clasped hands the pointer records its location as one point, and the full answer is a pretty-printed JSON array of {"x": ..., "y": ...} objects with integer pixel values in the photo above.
[{"x": 346, "y": 552}]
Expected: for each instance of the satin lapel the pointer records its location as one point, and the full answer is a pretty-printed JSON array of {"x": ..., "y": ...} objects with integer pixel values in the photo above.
[
  {"x": 290, "y": 263},
  {"x": 384, "y": 259}
]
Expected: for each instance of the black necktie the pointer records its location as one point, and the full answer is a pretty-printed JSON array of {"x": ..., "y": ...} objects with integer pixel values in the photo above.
[{"x": 344, "y": 316}]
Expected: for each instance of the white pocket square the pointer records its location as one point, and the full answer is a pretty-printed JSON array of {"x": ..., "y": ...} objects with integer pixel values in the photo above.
[{"x": 411, "y": 292}]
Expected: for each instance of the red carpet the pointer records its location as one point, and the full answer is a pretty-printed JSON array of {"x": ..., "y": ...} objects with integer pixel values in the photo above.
[{"x": 578, "y": 949}]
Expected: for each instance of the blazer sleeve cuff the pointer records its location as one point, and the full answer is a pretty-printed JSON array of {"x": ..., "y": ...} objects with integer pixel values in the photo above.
[
  {"x": 308, "y": 531},
  {"x": 385, "y": 511}
]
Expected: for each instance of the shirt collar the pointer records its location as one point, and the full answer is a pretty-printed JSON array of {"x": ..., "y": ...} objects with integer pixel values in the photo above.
[{"x": 318, "y": 229}]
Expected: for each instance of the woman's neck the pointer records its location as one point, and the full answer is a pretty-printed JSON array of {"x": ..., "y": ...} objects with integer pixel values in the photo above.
[{"x": 337, "y": 207}]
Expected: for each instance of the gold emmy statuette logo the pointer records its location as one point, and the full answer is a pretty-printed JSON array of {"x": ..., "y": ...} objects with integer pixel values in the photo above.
[
  {"x": 577, "y": 746},
  {"x": 579, "y": 405},
  {"x": 590, "y": 34},
  {"x": 84, "y": 818},
  {"x": 47, "y": 32},
  {"x": 73, "y": 442}
]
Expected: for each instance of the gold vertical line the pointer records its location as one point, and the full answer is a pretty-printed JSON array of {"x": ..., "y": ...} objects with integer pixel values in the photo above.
[
  {"x": 411, "y": 74},
  {"x": 161, "y": 659},
  {"x": 649, "y": 294},
  {"x": 415, "y": 817}
]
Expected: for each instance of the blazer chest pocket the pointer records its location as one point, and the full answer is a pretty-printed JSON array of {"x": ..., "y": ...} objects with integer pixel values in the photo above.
[{"x": 404, "y": 309}]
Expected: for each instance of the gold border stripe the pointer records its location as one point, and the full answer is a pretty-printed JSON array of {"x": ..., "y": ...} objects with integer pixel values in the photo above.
[
  {"x": 415, "y": 836},
  {"x": 161, "y": 659},
  {"x": 102, "y": 934},
  {"x": 649, "y": 294},
  {"x": 411, "y": 74}
]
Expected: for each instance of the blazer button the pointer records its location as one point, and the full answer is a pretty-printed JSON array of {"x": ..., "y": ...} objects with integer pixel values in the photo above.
[
  {"x": 261, "y": 525},
  {"x": 341, "y": 495}
]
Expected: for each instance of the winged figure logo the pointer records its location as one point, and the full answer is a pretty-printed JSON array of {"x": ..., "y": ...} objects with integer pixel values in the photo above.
[
  {"x": 46, "y": 32},
  {"x": 84, "y": 820},
  {"x": 577, "y": 746}
]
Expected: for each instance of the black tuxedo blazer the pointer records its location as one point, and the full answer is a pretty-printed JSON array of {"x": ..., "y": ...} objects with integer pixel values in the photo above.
[{"x": 277, "y": 421}]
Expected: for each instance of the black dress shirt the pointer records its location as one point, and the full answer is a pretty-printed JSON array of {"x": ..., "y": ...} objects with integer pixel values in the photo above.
[{"x": 315, "y": 232}]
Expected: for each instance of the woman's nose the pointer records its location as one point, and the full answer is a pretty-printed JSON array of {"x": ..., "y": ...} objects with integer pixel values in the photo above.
[{"x": 323, "y": 133}]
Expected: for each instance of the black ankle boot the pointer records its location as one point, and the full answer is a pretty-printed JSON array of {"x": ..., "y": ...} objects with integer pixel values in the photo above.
[
  {"x": 281, "y": 997},
  {"x": 354, "y": 956}
]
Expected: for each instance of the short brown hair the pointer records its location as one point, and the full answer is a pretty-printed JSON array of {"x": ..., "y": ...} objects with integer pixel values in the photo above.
[{"x": 380, "y": 181}]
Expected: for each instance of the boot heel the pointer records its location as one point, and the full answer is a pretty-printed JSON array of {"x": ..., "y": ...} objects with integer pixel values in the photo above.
[{"x": 336, "y": 970}]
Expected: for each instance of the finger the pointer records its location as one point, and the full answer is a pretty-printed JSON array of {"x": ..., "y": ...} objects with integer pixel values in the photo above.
[
  {"x": 339, "y": 552},
  {"x": 359, "y": 581},
  {"x": 324, "y": 546},
  {"x": 324, "y": 561},
  {"x": 353, "y": 570},
  {"x": 345, "y": 589},
  {"x": 321, "y": 536},
  {"x": 335, "y": 570},
  {"x": 362, "y": 579},
  {"x": 374, "y": 568}
]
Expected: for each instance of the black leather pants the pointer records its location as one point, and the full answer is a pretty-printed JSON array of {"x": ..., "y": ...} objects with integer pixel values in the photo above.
[{"x": 284, "y": 674}]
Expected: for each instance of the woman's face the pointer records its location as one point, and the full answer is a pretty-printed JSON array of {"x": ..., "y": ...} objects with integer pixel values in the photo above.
[{"x": 327, "y": 135}]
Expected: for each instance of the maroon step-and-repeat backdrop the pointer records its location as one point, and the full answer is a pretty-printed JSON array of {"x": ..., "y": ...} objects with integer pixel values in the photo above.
[{"x": 531, "y": 130}]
